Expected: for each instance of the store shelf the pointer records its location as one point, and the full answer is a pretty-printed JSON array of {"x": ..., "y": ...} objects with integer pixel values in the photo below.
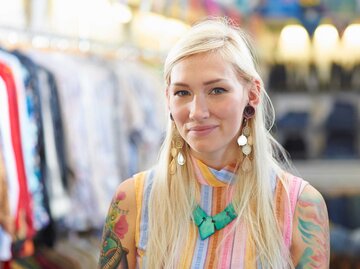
[{"x": 331, "y": 177}]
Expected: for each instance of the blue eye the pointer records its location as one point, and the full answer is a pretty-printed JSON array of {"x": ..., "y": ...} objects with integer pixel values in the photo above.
[
  {"x": 182, "y": 93},
  {"x": 217, "y": 91}
]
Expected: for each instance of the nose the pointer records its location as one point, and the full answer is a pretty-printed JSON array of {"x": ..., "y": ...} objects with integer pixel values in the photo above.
[{"x": 199, "y": 109}]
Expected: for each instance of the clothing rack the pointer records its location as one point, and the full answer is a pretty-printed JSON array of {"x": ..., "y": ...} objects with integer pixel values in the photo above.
[
  {"x": 12, "y": 37},
  {"x": 128, "y": 110}
]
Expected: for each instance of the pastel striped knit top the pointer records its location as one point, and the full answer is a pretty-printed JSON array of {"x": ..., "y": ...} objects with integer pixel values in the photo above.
[{"x": 214, "y": 187}]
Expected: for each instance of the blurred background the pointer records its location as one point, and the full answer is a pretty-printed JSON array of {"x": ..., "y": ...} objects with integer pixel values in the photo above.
[{"x": 82, "y": 108}]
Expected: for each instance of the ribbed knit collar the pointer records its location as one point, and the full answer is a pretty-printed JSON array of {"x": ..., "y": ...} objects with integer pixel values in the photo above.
[{"x": 213, "y": 177}]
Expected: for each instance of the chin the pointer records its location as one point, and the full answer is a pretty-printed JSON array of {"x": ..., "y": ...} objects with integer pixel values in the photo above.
[{"x": 203, "y": 148}]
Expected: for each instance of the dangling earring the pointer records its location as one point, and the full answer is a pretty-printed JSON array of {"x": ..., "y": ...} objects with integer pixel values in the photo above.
[
  {"x": 177, "y": 144},
  {"x": 245, "y": 140}
]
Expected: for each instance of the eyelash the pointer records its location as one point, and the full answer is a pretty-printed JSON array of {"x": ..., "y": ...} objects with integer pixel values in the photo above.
[
  {"x": 181, "y": 93},
  {"x": 216, "y": 89},
  {"x": 213, "y": 91}
]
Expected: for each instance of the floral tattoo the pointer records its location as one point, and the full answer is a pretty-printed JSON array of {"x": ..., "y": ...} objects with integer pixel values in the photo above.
[{"x": 113, "y": 254}]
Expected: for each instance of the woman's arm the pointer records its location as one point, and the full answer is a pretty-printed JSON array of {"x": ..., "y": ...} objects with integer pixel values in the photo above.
[
  {"x": 310, "y": 245},
  {"x": 118, "y": 248}
]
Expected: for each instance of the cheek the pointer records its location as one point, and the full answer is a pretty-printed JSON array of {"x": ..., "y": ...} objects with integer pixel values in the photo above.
[
  {"x": 232, "y": 111},
  {"x": 178, "y": 119},
  {"x": 180, "y": 113}
]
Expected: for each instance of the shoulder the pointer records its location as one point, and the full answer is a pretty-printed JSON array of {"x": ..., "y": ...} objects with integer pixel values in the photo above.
[
  {"x": 289, "y": 180},
  {"x": 135, "y": 191},
  {"x": 144, "y": 176},
  {"x": 311, "y": 194},
  {"x": 119, "y": 234},
  {"x": 143, "y": 182},
  {"x": 311, "y": 204},
  {"x": 311, "y": 210},
  {"x": 122, "y": 208},
  {"x": 131, "y": 200},
  {"x": 126, "y": 186},
  {"x": 289, "y": 187},
  {"x": 125, "y": 193},
  {"x": 303, "y": 197},
  {"x": 133, "y": 186}
]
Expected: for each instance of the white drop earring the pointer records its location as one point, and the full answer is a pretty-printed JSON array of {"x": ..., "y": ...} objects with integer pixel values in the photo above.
[
  {"x": 177, "y": 144},
  {"x": 245, "y": 140}
]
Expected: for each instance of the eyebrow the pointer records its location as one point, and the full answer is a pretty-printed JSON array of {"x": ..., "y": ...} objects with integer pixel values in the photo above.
[{"x": 205, "y": 83}]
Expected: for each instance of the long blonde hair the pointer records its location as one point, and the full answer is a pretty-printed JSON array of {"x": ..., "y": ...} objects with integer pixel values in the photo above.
[{"x": 172, "y": 197}]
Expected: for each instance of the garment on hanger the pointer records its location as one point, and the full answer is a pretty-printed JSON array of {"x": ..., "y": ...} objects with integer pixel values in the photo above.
[
  {"x": 36, "y": 160},
  {"x": 5, "y": 216},
  {"x": 77, "y": 137},
  {"x": 23, "y": 214}
]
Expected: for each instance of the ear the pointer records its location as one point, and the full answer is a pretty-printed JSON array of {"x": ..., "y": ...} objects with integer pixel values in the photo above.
[
  {"x": 167, "y": 98},
  {"x": 254, "y": 93}
]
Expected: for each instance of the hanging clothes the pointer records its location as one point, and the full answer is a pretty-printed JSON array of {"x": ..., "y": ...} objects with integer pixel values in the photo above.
[
  {"x": 86, "y": 119},
  {"x": 111, "y": 125},
  {"x": 67, "y": 142},
  {"x": 144, "y": 111},
  {"x": 43, "y": 221},
  {"x": 5, "y": 216},
  {"x": 35, "y": 130},
  {"x": 11, "y": 74}
]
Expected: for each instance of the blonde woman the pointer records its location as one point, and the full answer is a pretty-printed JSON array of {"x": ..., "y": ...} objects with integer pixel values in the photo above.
[{"x": 219, "y": 196}]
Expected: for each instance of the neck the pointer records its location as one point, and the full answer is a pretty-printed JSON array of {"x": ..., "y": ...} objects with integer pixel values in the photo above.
[{"x": 216, "y": 161}]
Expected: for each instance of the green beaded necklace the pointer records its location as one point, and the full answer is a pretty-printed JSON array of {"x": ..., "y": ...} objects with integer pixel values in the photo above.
[{"x": 207, "y": 225}]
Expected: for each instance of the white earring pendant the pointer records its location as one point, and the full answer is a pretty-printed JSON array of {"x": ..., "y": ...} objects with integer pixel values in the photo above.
[
  {"x": 180, "y": 159},
  {"x": 242, "y": 140},
  {"x": 246, "y": 149}
]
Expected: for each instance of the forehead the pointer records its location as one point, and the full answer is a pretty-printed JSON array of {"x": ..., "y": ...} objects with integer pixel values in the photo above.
[{"x": 203, "y": 66}]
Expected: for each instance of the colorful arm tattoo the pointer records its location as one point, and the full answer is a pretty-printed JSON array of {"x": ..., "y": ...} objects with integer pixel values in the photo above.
[
  {"x": 113, "y": 254},
  {"x": 313, "y": 227}
]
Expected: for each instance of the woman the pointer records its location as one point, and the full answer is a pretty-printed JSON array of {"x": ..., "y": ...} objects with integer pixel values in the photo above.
[{"x": 218, "y": 197}]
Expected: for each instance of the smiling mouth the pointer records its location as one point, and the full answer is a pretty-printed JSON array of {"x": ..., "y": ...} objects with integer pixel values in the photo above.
[{"x": 202, "y": 130}]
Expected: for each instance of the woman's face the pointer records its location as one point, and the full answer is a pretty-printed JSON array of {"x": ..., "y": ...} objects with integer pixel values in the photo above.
[{"x": 207, "y": 98}]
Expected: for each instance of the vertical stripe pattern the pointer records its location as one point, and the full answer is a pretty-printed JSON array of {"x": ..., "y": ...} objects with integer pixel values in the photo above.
[{"x": 230, "y": 247}]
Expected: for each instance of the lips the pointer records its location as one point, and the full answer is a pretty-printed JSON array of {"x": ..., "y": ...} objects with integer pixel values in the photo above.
[{"x": 202, "y": 129}]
